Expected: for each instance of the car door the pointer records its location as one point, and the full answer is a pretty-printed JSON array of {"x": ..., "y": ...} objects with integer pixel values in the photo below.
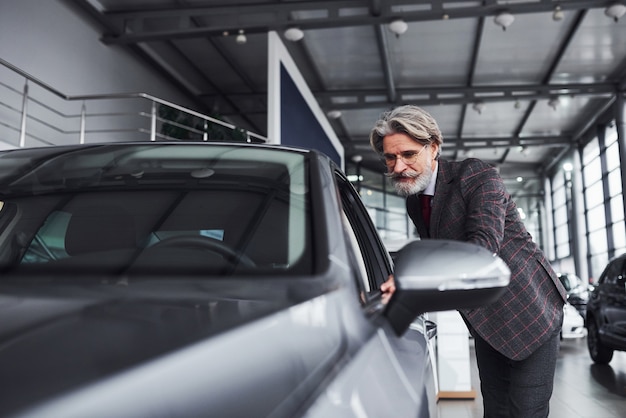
[
  {"x": 613, "y": 294},
  {"x": 609, "y": 292},
  {"x": 390, "y": 375}
]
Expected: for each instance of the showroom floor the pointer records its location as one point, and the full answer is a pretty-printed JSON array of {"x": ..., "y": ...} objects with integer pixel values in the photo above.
[{"x": 581, "y": 389}]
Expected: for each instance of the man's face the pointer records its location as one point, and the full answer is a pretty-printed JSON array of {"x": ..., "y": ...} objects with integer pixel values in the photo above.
[{"x": 410, "y": 165}]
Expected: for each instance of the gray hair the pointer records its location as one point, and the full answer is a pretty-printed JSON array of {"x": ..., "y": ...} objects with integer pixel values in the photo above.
[{"x": 410, "y": 120}]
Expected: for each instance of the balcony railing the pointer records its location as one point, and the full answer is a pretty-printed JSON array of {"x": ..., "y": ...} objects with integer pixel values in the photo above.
[{"x": 32, "y": 113}]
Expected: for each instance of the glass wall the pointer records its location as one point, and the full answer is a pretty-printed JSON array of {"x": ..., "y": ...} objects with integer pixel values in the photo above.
[
  {"x": 616, "y": 202},
  {"x": 561, "y": 201},
  {"x": 593, "y": 192},
  {"x": 601, "y": 195}
]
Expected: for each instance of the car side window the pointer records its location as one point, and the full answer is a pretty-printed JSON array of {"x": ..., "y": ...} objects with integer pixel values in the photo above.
[
  {"x": 614, "y": 272},
  {"x": 372, "y": 257}
]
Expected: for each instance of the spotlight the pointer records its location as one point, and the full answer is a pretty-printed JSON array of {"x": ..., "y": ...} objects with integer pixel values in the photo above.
[
  {"x": 558, "y": 14},
  {"x": 398, "y": 27},
  {"x": 479, "y": 107},
  {"x": 241, "y": 38},
  {"x": 504, "y": 19},
  {"x": 554, "y": 103},
  {"x": 615, "y": 11}
]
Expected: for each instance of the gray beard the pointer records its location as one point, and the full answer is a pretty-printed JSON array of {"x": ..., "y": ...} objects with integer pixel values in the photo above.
[{"x": 418, "y": 185}]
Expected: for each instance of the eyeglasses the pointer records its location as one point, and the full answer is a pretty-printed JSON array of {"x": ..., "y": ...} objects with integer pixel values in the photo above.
[{"x": 407, "y": 157}]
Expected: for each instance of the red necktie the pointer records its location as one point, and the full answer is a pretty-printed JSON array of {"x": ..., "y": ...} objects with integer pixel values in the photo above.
[{"x": 425, "y": 201}]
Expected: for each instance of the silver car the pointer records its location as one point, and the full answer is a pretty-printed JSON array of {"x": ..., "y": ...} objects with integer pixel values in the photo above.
[{"x": 161, "y": 279}]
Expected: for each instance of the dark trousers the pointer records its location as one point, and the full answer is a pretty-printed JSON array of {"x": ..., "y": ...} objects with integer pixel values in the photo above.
[{"x": 520, "y": 389}]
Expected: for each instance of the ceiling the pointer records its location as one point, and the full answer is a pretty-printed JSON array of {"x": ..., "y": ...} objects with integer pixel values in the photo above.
[{"x": 541, "y": 83}]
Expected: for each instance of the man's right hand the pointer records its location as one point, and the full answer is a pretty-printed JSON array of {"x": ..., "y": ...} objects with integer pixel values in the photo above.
[{"x": 387, "y": 289}]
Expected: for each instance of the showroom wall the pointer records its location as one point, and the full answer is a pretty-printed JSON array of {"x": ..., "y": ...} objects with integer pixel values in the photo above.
[{"x": 58, "y": 46}]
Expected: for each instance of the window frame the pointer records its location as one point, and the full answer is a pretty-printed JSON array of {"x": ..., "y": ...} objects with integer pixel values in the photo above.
[{"x": 378, "y": 263}]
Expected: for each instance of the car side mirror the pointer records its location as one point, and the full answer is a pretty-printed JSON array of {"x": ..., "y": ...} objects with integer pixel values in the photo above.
[{"x": 441, "y": 275}]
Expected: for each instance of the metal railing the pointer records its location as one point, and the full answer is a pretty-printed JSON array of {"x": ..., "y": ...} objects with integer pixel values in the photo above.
[{"x": 41, "y": 115}]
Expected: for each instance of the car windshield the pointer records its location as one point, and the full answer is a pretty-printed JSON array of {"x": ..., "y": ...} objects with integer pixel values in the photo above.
[{"x": 157, "y": 208}]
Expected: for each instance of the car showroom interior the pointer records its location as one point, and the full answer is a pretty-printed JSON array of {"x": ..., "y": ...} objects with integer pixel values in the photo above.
[{"x": 196, "y": 219}]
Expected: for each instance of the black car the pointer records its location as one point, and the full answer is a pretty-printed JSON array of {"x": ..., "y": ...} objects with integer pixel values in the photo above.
[{"x": 606, "y": 313}]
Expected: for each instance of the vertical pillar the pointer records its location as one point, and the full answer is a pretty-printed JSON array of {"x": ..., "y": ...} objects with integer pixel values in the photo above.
[
  {"x": 548, "y": 230},
  {"x": 24, "y": 113},
  {"x": 578, "y": 239},
  {"x": 620, "y": 126},
  {"x": 83, "y": 115},
  {"x": 153, "y": 118}
]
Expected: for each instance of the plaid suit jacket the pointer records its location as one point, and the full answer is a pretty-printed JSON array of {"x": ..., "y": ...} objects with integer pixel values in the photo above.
[{"x": 471, "y": 204}]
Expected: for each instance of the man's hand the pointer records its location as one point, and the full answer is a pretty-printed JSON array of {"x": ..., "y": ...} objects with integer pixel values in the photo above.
[{"x": 387, "y": 288}]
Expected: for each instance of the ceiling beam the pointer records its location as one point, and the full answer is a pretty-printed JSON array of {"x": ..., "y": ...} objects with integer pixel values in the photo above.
[
  {"x": 383, "y": 47},
  {"x": 480, "y": 29},
  {"x": 450, "y": 143},
  {"x": 371, "y": 98}
]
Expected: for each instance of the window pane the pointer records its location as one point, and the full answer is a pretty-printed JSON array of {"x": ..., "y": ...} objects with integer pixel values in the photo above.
[
  {"x": 612, "y": 157},
  {"x": 594, "y": 195},
  {"x": 592, "y": 171},
  {"x": 596, "y": 218},
  {"x": 619, "y": 237},
  {"x": 558, "y": 198},
  {"x": 590, "y": 151},
  {"x": 561, "y": 234},
  {"x": 610, "y": 134},
  {"x": 598, "y": 263},
  {"x": 597, "y": 242},
  {"x": 396, "y": 204},
  {"x": 397, "y": 226},
  {"x": 615, "y": 182},
  {"x": 617, "y": 208},
  {"x": 560, "y": 216},
  {"x": 372, "y": 198},
  {"x": 562, "y": 250},
  {"x": 558, "y": 181}
]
